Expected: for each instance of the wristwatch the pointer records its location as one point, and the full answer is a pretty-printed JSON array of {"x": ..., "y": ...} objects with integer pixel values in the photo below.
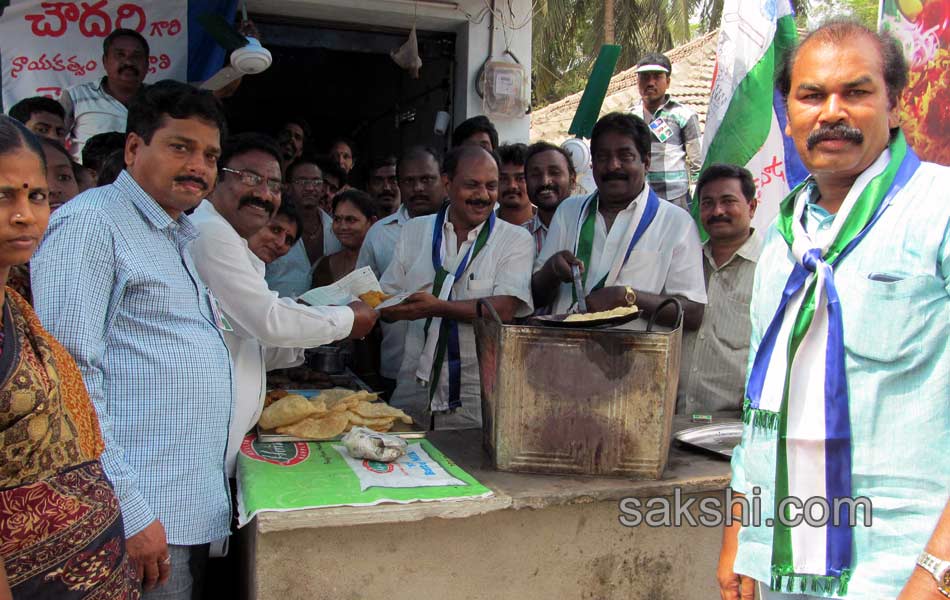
[
  {"x": 940, "y": 569},
  {"x": 630, "y": 297}
]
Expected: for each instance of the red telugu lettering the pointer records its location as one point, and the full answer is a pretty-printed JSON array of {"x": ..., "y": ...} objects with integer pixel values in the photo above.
[
  {"x": 64, "y": 11},
  {"x": 18, "y": 64},
  {"x": 55, "y": 92},
  {"x": 127, "y": 12},
  {"x": 93, "y": 12}
]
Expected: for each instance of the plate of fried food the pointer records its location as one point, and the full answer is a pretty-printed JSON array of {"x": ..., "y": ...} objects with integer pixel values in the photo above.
[
  {"x": 321, "y": 415},
  {"x": 600, "y": 320}
]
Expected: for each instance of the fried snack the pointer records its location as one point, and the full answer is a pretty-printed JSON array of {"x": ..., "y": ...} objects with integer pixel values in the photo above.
[
  {"x": 334, "y": 394},
  {"x": 322, "y": 427},
  {"x": 376, "y": 410},
  {"x": 273, "y": 396},
  {"x": 620, "y": 311},
  {"x": 374, "y": 298},
  {"x": 289, "y": 409},
  {"x": 356, "y": 419}
]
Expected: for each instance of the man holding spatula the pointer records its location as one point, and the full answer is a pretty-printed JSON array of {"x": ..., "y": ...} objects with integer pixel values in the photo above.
[{"x": 630, "y": 246}]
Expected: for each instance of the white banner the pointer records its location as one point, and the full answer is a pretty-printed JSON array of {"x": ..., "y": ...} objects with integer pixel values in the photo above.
[{"x": 47, "y": 47}]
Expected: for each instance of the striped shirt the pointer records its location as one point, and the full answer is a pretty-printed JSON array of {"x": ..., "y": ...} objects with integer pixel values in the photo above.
[
  {"x": 91, "y": 110},
  {"x": 713, "y": 365},
  {"x": 114, "y": 283},
  {"x": 675, "y": 161},
  {"x": 894, "y": 289}
]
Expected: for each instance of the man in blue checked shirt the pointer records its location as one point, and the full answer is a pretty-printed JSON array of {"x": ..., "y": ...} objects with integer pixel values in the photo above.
[{"x": 113, "y": 281}]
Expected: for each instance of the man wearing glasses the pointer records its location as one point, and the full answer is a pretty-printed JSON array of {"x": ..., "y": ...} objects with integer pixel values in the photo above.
[
  {"x": 263, "y": 332},
  {"x": 631, "y": 247},
  {"x": 291, "y": 274}
]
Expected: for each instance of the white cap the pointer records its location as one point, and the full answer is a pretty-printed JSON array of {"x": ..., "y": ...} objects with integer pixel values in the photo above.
[{"x": 651, "y": 68}]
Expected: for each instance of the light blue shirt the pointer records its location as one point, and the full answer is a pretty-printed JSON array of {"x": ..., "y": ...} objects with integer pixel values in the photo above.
[
  {"x": 895, "y": 297},
  {"x": 292, "y": 274},
  {"x": 114, "y": 283}
]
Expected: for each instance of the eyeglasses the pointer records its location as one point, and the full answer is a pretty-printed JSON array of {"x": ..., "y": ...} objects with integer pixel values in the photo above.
[
  {"x": 252, "y": 179},
  {"x": 307, "y": 181}
]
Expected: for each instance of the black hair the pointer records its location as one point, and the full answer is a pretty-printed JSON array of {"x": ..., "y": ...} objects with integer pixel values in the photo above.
[
  {"x": 469, "y": 127},
  {"x": 843, "y": 30},
  {"x": 328, "y": 167},
  {"x": 116, "y": 34},
  {"x": 718, "y": 171},
  {"x": 99, "y": 146},
  {"x": 111, "y": 166},
  {"x": 303, "y": 159},
  {"x": 24, "y": 109},
  {"x": 342, "y": 140},
  {"x": 242, "y": 143},
  {"x": 304, "y": 126},
  {"x": 169, "y": 98},
  {"x": 74, "y": 166},
  {"x": 288, "y": 208},
  {"x": 459, "y": 153},
  {"x": 363, "y": 201},
  {"x": 420, "y": 153},
  {"x": 626, "y": 124},
  {"x": 513, "y": 154},
  {"x": 14, "y": 135},
  {"x": 539, "y": 147},
  {"x": 380, "y": 162}
]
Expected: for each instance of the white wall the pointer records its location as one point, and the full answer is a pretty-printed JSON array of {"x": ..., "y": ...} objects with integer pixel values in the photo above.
[{"x": 472, "y": 37}]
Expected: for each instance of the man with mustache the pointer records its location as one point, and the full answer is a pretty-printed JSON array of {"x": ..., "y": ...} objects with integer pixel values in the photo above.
[
  {"x": 383, "y": 185},
  {"x": 632, "y": 247},
  {"x": 714, "y": 359},
  {"x": 513, "y": 204},
  {"x": 115, "y": 282},
  {"x": 550, "y": 178},
  {"x": 675, "y": 157},
  {"x": 292, "y": 274},
  {"x": 420, "y": 185},
  {"x": 263, "y": 332},
  {"x": 101, "y": 106},
  {"x": 447, "y": 262},
  {"x": 291, "y": 138},
  {"x": 850, "y": 369}
]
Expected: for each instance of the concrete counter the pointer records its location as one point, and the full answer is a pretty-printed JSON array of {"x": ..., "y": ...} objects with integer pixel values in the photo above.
[{"x": 569, "y": 544}]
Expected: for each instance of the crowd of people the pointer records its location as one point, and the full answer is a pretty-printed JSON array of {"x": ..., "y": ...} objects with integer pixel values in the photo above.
[{"x": 165, "y": 283}]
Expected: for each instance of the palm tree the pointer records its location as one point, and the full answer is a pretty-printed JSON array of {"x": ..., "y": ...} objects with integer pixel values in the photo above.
[{"x": 567, "y": 35}]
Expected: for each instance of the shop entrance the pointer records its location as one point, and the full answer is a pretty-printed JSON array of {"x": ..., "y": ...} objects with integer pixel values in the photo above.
[{"x": 341, "y": 78}]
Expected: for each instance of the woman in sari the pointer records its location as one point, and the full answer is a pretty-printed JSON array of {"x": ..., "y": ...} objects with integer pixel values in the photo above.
[{"x": 61, "y": 533}]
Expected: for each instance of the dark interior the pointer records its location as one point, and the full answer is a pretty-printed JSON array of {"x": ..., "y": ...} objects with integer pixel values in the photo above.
[{"x": 343, "y": 81}]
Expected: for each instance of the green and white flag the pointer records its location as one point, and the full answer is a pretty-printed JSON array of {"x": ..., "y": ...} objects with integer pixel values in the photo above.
[{"x": 746, "y": 118}]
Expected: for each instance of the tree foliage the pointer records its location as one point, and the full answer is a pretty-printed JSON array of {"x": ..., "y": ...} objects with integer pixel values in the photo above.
[{"x": 567, "y": 35}]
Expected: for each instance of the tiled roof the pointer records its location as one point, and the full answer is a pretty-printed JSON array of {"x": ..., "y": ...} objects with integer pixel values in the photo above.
[{"x": 693, "y": 65}]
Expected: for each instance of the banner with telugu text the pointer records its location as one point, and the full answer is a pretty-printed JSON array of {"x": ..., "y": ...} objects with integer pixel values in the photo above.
[
  {"x": 923, "y": 28},
  {"x": 47, "y": 47}
]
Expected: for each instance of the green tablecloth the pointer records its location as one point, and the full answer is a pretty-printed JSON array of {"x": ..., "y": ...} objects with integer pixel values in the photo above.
[{"x": 297, "y": 476}]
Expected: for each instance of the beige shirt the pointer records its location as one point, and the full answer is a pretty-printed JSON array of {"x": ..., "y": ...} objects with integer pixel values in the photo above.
[{"x": 715, "y": 357}]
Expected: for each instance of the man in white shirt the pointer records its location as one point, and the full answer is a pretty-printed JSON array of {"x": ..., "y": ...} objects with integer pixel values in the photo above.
[
  {"x": 262, "y": 331},
  {"x": 632, "y": 247},
  {"x": 419, "y": 173},
  {"x": 448, "y": 261},
  {"x": 292, "y": 274},
  {"x": 103, "y": 105}
]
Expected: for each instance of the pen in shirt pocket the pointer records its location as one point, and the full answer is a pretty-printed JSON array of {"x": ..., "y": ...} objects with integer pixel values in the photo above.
[{"x": 884, "y": 277}]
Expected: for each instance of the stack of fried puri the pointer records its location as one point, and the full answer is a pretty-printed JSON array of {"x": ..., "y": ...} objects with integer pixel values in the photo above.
[{"x": 329, "y": 414}]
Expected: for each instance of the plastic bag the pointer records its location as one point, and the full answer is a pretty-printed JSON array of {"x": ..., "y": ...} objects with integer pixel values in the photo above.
[{"x": 362, "y": 442}]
